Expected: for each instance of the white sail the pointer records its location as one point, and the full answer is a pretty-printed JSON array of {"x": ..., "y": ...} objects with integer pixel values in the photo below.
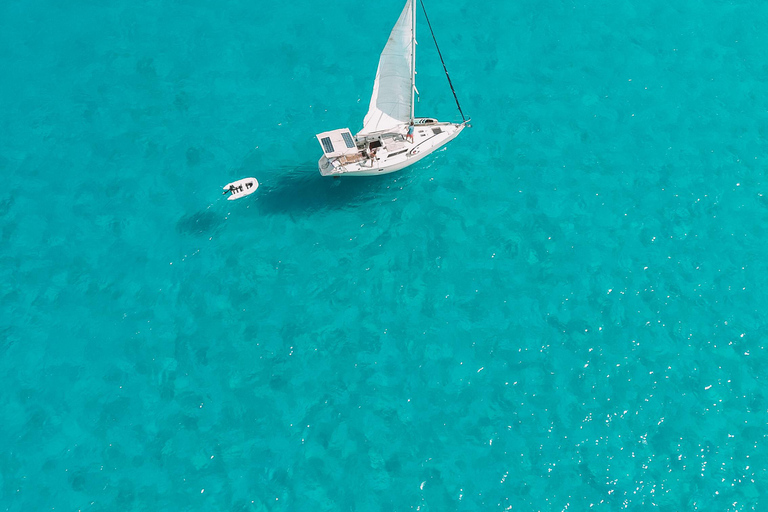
[{"x": 392, "y": 99}]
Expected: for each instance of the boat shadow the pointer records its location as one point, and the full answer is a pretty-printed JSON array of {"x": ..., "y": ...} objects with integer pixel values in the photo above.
[
  {"x": 202, "y": 223},
  {"x": 302, "y": 190},
  {"x": 295, "y": 191}
]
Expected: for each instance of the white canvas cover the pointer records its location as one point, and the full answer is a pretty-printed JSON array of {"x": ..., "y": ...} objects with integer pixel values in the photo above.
[
  {"x": 337, "y": 143},
  {"x": 392, "y": 91}
]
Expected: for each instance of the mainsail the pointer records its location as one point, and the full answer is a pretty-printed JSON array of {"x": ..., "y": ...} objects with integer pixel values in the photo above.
[{"x": 392, "y": 99}]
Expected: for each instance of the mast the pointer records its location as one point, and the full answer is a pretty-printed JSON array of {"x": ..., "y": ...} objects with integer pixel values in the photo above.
[{"x": 413, "y": 58}]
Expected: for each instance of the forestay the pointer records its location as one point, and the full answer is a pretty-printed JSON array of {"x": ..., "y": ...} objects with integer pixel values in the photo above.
[{"x": 392, "y": 91}]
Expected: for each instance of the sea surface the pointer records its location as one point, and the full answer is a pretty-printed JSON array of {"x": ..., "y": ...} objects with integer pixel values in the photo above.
[{"x": 563, "y": 309}]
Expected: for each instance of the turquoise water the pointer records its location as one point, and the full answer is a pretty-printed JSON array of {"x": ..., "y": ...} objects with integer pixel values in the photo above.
[{"x": 564, "y": 309}]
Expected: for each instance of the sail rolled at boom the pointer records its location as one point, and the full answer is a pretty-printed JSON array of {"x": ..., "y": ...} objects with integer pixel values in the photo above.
[{"x": 392, "y": 90}]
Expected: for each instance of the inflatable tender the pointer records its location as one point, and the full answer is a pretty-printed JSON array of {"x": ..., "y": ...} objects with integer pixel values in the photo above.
[{"x": 241, "y": 188}]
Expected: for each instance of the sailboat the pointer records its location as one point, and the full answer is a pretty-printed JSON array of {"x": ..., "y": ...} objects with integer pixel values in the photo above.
[{"x": 392, "y": 137}]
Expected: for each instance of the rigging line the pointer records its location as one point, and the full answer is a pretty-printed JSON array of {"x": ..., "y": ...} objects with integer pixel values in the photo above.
[{"x": 441, "y": 60}]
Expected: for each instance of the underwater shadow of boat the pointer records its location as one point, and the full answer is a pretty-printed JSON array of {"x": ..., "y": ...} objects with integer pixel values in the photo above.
[
  {"x": 301, "y": 190},
  {"x": 200, "y": 223}
]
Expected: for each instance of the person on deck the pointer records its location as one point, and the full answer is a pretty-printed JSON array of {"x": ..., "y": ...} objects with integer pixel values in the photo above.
[{"x": 410, "y": 132}]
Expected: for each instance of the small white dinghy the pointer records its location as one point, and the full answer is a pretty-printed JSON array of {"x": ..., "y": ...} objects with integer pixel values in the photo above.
[{"x": 241, "y": 188}]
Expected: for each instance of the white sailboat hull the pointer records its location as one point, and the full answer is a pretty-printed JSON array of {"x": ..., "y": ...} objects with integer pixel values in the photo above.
[
  {"x": 395, "y": 151},
  {"x": 392, "y": 137}
]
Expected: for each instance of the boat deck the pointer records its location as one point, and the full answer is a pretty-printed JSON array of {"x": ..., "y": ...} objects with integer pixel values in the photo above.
[{"x": 392, "y": 151}]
